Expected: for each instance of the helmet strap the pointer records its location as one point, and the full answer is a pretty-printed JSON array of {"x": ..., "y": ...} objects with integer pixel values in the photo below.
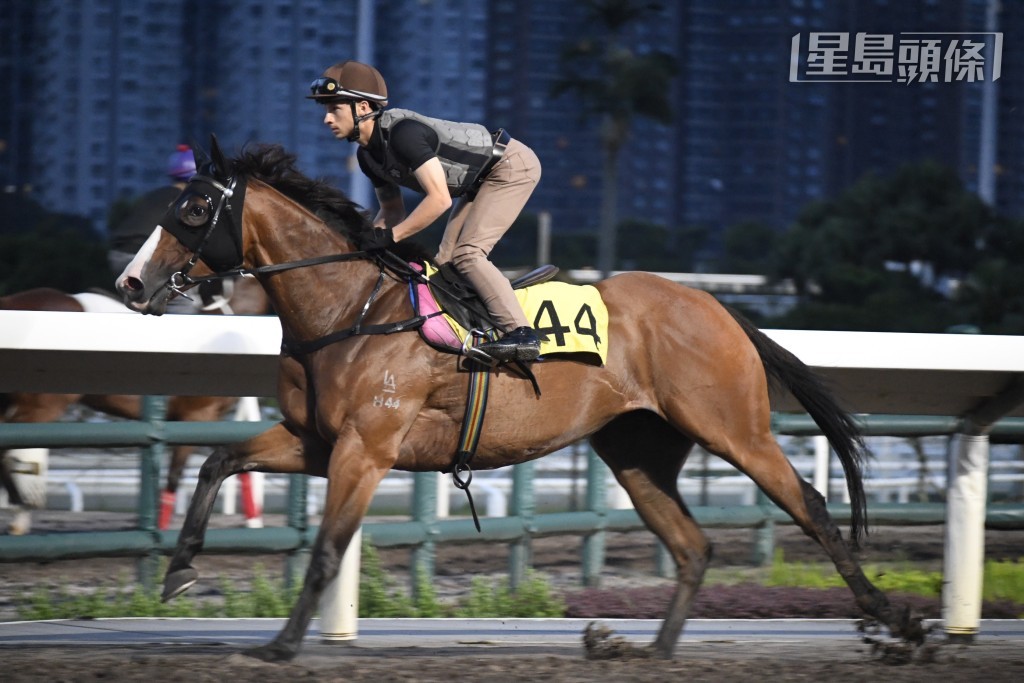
[{"x": 356, "y": 120}]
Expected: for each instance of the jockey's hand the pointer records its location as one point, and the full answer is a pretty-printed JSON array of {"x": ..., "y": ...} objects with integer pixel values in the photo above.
[{"x": 375, "y": 238}]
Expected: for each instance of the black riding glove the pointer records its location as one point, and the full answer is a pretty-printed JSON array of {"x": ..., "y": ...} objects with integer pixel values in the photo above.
[{"x": 376, "y": 238}]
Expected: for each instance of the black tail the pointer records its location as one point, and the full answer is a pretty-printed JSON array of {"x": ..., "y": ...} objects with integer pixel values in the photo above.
[{"x": 838, "y": 426}]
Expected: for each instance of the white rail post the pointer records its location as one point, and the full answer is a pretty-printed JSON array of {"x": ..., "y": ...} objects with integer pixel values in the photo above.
[
  {"x": 339, "y": 607},
  {"x": 965, "y": 538},
  {"x": 251, "y": 482},
  {"x": 28, "y": 467},
  {"x": 822, "y": 465}
]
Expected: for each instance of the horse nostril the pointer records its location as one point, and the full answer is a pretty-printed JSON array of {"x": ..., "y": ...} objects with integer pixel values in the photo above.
[{"x": 134, "y": 284}]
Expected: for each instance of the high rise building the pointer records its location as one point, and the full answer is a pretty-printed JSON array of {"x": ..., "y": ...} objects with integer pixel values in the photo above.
[
  {"x": 99, "y": 91},
  {"x": 106, "y": 101},
  {"x": 16, "y": 78}
]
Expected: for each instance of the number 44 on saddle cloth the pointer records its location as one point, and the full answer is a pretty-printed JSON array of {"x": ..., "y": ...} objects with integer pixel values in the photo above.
[{"x": 572, "y": 317}]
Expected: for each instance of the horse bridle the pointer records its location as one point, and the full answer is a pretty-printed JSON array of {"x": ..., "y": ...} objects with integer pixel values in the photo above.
[
  {"x": 179, "y": 280},
  {"x": 223, "y": 264}
]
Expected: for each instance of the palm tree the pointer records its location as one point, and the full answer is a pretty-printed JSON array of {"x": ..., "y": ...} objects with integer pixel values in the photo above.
[{"x": 615, "y": 84}]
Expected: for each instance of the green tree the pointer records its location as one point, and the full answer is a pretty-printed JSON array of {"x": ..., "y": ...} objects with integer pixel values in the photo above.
[
  {"x": 39, "y": 248},
  {"x": 649, "y": 246},
  {"x": 887, "y": 253},
  {"x": 992, "y": 295},
  {"x": 64, "y": 259},
  {"x": 615, "y": 84},
  {"x": 746, "y": 248}
]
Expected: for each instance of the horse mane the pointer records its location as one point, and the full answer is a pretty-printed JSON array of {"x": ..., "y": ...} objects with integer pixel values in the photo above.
[{"x": 275, "y": 166}]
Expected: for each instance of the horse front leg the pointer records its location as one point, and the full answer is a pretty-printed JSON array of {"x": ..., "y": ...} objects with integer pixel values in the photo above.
[
  {"x": 276, "y": 450},
  {"x": 352, "y": 481}
]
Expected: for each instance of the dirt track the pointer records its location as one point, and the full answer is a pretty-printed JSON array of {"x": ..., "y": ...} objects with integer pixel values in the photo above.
[
  {"x": 630, "y": 567},
  {"x": 718, "y": 661}
]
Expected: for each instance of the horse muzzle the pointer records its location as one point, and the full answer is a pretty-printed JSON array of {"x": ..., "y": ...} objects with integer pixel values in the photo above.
[{"x": 133, "y": 294}]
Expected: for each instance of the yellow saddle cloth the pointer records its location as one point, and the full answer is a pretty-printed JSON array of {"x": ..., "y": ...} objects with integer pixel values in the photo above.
[{"x": 572, "y": 317}]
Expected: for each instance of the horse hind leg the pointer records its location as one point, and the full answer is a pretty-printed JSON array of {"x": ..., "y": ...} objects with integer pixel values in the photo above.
[
  {"x": 765, "y": 463},
  {"x": 646, "y": 454}
]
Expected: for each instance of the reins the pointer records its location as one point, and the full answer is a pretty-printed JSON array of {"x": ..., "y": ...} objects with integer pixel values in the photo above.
[{"x": 386, "y": 262}]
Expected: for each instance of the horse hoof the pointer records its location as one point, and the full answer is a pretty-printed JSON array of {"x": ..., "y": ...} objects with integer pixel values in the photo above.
[
  {"x": 177, "y": 582},
  {"x": 600, "y": 642},
  {"x": 271, "y": 652}
]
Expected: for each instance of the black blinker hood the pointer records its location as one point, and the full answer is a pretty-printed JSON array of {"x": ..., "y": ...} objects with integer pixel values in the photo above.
[{"x": 217, "y": 243}]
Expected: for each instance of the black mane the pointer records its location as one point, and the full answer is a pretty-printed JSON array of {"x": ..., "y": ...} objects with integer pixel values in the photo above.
[{"x": 276, "y": 167}]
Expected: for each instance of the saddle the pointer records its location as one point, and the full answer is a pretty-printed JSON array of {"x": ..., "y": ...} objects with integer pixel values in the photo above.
[
  {"x": 457, "y": 298},
  {"x": 571, "y": 320}
]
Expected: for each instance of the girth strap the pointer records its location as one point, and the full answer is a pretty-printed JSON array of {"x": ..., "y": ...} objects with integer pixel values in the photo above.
[{"x": 472, "y": 424}]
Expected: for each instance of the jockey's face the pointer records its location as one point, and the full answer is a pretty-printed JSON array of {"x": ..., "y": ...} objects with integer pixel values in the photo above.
[{"x": 338, "y": 117}]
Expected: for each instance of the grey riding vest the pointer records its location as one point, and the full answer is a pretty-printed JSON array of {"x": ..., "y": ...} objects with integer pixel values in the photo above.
[{"x": 466, "y": 152}]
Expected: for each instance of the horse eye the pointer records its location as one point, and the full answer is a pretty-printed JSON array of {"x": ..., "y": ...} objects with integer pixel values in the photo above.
[{"x": 194, "y": 211}]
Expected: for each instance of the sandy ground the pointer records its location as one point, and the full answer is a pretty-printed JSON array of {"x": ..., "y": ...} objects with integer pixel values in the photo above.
[{"x": 630, "y": 565}]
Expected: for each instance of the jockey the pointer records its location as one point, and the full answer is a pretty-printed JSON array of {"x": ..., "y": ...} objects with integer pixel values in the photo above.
[{"x": 490, "y": 175}]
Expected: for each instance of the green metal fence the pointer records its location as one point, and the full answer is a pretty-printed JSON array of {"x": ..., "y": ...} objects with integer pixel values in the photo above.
[{"x": 424, "y": 531}]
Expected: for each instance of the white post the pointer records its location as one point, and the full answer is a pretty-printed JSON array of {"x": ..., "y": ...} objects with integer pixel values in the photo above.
[
  {"x": 965, "y": 538},
  {"x": 248, "y": 409},
  {"x": 229, "y": 491},
  {"x": 339, "y": 606},
  {"x": 444, "y": 496},
  {"x": 618, "y": 499},
  {"x": 28, "y": 468},
  {"x": 822, "y": 453}
]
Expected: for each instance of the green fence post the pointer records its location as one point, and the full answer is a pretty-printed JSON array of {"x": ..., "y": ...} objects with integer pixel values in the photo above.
[
  {"x": 297, "y": 560},
  {"x": 594, "y": 542},
  {"x": 424, "y": 511},
  {"x": 154, "y": 412},
  {"x": 523, "y": 506}
]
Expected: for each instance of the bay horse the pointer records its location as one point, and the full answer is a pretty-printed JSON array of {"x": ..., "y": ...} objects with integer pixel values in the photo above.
[
  {"x": 681, "y": 370},
  {"x": 244, "y": 297}
]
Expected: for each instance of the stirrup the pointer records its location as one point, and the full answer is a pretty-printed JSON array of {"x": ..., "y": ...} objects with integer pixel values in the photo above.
[{"x": 474, "y": 353}]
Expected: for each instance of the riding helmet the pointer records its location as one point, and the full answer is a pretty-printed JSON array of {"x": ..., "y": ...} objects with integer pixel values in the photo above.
[
  {"x": 350, "y": 80},
  {"x": 182, "y": 164}
]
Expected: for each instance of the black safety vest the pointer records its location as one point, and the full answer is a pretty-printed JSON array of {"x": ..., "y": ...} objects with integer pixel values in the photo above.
[{"x": 464, "y": 150}]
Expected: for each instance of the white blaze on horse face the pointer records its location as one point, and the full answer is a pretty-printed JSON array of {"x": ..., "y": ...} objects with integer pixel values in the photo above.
[{"x": 134, "y": 269}]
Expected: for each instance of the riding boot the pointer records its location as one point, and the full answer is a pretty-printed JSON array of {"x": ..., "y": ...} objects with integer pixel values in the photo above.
[{"x": 521, "y": 344}]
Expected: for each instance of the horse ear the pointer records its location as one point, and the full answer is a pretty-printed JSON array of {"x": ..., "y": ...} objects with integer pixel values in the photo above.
[
  {"x": 220, "y": 162},
  {"x": 202, "y": 158}
]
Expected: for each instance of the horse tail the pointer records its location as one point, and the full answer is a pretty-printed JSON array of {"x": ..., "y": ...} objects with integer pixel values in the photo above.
[{"x": 786, "y": 370}]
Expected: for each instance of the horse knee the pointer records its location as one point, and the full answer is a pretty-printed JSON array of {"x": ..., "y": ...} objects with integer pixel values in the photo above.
[{"x": 694, "y": 562}]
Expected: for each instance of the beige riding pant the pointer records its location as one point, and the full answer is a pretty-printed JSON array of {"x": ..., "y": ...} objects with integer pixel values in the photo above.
[{"x": 474, "y": 227}]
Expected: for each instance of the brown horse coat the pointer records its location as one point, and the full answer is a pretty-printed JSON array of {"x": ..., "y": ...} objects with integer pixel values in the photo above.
[{"x": 681, "y": 370}]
